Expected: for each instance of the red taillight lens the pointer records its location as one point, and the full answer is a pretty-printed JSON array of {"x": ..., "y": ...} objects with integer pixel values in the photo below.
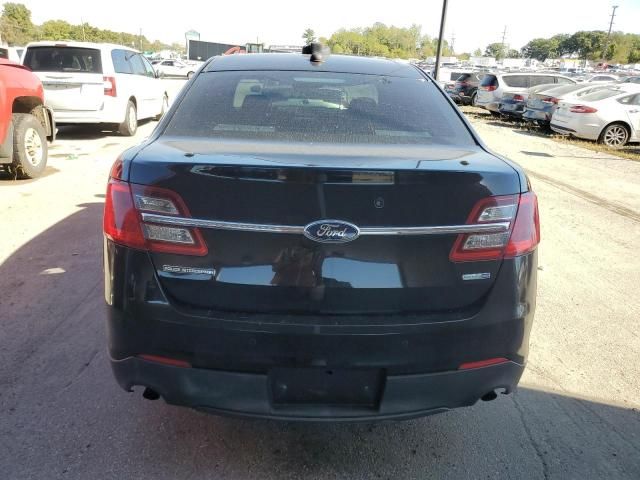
[
  {"x": 483, "y": 363},
  {"x": 172, "y": 362},
  {"x": 553, "y": 100},
  {"x": 518, "y": 98},
  {"x": 489, "y": 88},
  {"x": 122, "y": 222},
  {"x": 110, "y": 86},
  {"x": 582, "y": 109},
  {"x": 525, "y": 235},
  {"x": 522, "y": 236}
]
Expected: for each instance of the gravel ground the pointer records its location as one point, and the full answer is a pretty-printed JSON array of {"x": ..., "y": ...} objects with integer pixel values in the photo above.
[{"x": 574, "y": 417}]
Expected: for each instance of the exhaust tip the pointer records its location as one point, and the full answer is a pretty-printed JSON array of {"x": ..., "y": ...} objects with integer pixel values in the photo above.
[
  {"x": 487, "y": 397},
  {"x": 150, "y": 394}
]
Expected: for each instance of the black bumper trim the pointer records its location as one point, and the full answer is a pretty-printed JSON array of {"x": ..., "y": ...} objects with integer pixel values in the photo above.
[{"x": 249, "y": 395}]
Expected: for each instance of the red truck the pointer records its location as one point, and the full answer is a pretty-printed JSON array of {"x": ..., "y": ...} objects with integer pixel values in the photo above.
[{"x": 25, "y": 122}]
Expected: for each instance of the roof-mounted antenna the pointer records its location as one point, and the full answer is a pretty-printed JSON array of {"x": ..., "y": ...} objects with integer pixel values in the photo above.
[{"x": 318, "y": 52}]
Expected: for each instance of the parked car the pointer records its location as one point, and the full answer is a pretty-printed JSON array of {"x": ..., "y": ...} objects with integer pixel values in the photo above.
[
  {"x": 602, "y": 78},
  {"x": 631, "y": 79},
  {"x": 97, "y": 83},
  {"x": 514, "y": 104},
  {"x": 542, "y": 104},
  {"x": 465, "y": 88},
  {"x": 494, "y": 85},
  {"x": 263, "y": 254},
  {"x": 174, "y": 68},
  {"x": 25, "y": 123},
  {"x": 611, "y": 115}
]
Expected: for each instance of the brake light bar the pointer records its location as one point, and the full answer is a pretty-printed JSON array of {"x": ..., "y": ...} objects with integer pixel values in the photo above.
[
  {"x": 523, "y": 236},
  {"x": 122, "y": 222}
]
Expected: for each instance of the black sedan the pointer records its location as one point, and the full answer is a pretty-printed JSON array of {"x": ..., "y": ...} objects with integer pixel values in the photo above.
[{"x": 309, "y": 239}]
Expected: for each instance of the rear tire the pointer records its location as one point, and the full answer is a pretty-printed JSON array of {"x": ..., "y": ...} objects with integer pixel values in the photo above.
[
  {"x": 129, "y": 127},
  {"x": 615, "y": 135},
  {"x": 30, "y": 151},
  {"x": 473, "y": 99}
]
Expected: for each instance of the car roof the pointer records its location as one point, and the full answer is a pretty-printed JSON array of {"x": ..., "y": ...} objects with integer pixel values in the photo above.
[
  {"x": 71, "y": 43},
  {"x": 299, "y": 62}
]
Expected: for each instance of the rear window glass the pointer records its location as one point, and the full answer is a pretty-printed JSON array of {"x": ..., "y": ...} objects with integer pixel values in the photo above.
[
  {"x": 464, "y": 77},
  {"x": 601, "y": 94},
  {"x": 301, "y": 106},
  {"x": 517, "y": 81},
  {"x": 489, "y": 81},
  {"x": 63, "y": 59}
]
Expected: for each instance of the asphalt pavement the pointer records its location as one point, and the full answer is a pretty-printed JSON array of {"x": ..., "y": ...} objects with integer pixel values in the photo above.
[{"x": 575, "y": 416}]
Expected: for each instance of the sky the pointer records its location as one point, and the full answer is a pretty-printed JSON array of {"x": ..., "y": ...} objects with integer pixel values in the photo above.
[{"x": 474, "y": 23}]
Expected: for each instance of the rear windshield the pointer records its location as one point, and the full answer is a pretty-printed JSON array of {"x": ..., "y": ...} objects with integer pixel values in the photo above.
[
  {"x": 464, "y": 77},
  {"x": 307, "y": 106},
  {"x": 602, "y": 94},
  {"x": 489, "y": 81},
  {"x": 63, "y": 59}
]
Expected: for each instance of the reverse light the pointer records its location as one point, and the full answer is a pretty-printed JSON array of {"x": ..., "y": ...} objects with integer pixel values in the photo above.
[
  {"x": 523, "y": 235},
  {"x": 582, "y": 109}
]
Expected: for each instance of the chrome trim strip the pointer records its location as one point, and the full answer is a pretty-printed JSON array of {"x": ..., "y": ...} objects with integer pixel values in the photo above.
[{"x": 292, "y": 229}]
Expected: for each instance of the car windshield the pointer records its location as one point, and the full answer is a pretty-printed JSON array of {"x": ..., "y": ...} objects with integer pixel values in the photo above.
[
  {"x": 327, "y": 107},
  {"x": 63, "y": 59}
]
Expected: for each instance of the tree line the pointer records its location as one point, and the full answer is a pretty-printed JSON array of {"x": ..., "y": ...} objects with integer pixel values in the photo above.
[{"x": 17, "y": 28}]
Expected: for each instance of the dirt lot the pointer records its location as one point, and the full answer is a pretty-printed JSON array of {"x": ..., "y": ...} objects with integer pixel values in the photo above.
[{"x": 574, "y": 417}]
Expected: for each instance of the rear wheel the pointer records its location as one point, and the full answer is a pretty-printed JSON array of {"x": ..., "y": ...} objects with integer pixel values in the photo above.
[
  {"x": 129, "y": 127},
  {"x": 473, "y": 99},
  {"x": 615, "y": 135},
  {"x": 29, "y": 146}
]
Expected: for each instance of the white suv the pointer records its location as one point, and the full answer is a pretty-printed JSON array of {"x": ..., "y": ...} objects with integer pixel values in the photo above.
[{"x": 97, "y": 83}]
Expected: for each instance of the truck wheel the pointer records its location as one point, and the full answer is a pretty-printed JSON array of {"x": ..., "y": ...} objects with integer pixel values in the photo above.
[
  {"x": 129, "y": 127},
  {"x": 29, "y": 146}
]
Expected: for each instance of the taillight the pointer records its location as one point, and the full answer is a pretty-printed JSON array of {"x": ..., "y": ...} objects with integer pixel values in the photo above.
[
  {"x": 518, "y": 98},
  {"x": 519, "y": 212},
  {"x": 122, "y": 222},
  {"x": 110, "y": 86},
  {"x": 582, "y": 109},
  {"x": 488, "y": 88},
  {"x": 552, "y": 100}
]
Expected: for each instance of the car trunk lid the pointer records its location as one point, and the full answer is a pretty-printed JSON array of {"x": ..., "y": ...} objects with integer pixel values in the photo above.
[{"x": 233, "y": 190}]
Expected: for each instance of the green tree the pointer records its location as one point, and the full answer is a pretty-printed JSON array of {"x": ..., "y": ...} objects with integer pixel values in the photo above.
[
  {"x": 309, "y": 36},
  {"x": 496, "y": 50},
  {"x": 513, "y": 53},
  {"x": 540, "y": 49},
  {"x": 477, "y": 52},
  {"x": 464, "y": 56},
  {"x": 16, "y": 27}
]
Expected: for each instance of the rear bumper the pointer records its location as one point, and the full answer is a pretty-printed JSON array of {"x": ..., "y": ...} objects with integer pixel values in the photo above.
[
  {"x": 512, "y": 109},
  {"x": 246, "y": 394},
  {"x": 111, "y": 111},
  {"x": 536, "y": 116},
  {"x": 234, "y": 355}
]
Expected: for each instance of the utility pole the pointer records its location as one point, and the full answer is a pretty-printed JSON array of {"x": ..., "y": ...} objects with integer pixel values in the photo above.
[
  {"x": 440, "y": 38},
  {"x": 453, "y": 42},
  {"x": 504, "y": 36},
  {"x": 140, "y": 39},
  {"x": 606, "y": 42},
  {"x": 84, "y": 37}
]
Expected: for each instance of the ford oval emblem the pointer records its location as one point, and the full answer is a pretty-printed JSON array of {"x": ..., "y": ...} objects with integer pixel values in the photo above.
[{"x": 331, "y": 231}]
